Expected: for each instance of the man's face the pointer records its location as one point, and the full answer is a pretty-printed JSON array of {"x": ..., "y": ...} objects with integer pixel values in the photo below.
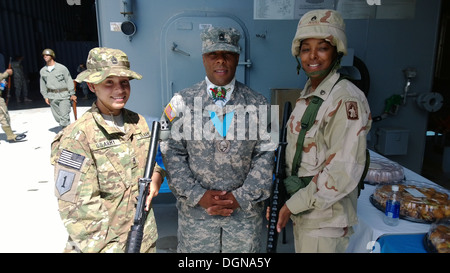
[
  {"x": 47, "y": 58},
  {"x": 220, "y": 66}
]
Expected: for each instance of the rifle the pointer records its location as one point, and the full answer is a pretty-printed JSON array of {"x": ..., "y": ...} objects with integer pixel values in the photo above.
[
  {"x": 9, "y": 83},
  {"x": 278, "y": 196},
  {"x": 136, "y": 233},
  {"x": 74, "y": 103}
]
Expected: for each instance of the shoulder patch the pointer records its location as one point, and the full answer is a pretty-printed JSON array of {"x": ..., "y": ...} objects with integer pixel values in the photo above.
[
  {"x": 71, "y": 160},
  {"x": 64, "y": 181},
  {"x": 170, "y": 112},
  {"x": 352, "y": 110}
]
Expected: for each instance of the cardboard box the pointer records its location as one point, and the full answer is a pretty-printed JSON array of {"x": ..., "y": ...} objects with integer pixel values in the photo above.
[{"x": 279, "y": 96}]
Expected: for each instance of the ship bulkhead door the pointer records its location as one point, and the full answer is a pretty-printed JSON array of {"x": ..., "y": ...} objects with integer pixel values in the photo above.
[{"x": 181, "y": 48}]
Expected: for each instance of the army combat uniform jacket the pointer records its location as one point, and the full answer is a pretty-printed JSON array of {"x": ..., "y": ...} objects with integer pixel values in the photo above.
[
  {"x": 196, "y": 162},
  {"x": 334, "y": 152},
  {"x": 97, "y": 168}
]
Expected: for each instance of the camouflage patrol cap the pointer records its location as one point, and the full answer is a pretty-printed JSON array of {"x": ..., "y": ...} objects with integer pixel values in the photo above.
[
  {"x": 321, "y": 24},
  {"x": 220, "y": 39},
  {"x": 103, "y": 62}
]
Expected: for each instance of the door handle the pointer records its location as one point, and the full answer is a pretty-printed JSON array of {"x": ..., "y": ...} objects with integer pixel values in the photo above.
[
  {"x": 248, "y": 63},
  {"x": 176, "y": 50}
]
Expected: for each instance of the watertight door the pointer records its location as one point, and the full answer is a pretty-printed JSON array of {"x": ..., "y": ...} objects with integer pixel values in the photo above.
[{"x": 182, "y": 65}]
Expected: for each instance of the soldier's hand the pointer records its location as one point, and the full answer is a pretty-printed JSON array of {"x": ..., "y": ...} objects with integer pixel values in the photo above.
[
  {"x": 153, "y": 189},
  {"x": 283, "y": 218},
  {"x": 9, "y": 71},
  {"x": 47, "y": 101},
  {"x": 216, "y": 203},
  {"x": 73, "y": 98}
]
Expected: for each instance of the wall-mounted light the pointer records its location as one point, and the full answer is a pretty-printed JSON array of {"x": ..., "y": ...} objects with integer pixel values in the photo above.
[{"x": 128, "y": 27}]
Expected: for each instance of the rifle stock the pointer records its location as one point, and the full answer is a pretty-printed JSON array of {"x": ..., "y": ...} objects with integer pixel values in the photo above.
[
  {"x": 278, "y": 196},
  {"x": 9, "y": 83},
  {"x": 136, "y": 233}
]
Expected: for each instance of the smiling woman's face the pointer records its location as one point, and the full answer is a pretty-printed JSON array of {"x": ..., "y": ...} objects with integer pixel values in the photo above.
[
  {"x": 112, "y": 94},
  {"x": 316, "y": 55}
]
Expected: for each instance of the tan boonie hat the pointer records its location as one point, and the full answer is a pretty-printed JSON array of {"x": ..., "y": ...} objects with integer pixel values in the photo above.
[
  {"x": 103, "y": 62},
  {"x": 321, "y": 24},
  {"x": 220, "y": 39}
]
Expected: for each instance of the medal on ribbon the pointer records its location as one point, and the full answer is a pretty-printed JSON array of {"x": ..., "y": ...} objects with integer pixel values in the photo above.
[{"x": 222, "y": 128}]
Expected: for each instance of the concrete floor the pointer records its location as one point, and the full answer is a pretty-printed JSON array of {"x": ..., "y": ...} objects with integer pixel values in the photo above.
[{"x": 29, "y": 211}]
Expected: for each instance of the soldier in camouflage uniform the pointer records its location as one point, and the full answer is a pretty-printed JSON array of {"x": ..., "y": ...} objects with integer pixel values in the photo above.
[
  {"x": 57, "y": 88},
  {"x": 99, "y": 160},
  {"x": 219, "y": 174},
  {"x": 20, "y": 81},
  {"x": 334, "y": 150},
  {"x": 5, "y": 120}
]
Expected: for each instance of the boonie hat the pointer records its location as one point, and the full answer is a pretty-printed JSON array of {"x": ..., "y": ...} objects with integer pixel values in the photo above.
[
  {"x": 220, "y": 39},
  {"x": 321, "y": 24},
  {"x": 103, "y": 62}
]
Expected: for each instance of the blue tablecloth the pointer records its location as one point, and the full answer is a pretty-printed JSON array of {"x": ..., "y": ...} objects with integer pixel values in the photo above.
[{"x": 402, "y": 243}]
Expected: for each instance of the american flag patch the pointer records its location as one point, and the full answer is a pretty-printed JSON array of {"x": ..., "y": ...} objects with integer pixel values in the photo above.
[{"x": 71, "y": 160}]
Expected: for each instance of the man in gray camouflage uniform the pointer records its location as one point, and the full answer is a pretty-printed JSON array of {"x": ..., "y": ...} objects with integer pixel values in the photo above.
[{"x": 219, "y": 173}]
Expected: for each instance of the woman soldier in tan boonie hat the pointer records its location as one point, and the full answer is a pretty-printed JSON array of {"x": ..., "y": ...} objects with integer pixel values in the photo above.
[{"x": 99, "y": 159}]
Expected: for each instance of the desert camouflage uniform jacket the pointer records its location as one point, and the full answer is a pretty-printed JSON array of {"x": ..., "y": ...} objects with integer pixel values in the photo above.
[
  {"x": 97, "y": 168},
  {"x": 334, "y": 152},
  {"x": 194, "y": 164}
]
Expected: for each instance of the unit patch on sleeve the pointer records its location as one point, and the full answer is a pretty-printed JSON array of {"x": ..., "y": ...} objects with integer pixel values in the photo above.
[
  {"x": 64, "y": 181},
  {"x": 352, "y": 110},
  {"x": 170, "y": 113}
]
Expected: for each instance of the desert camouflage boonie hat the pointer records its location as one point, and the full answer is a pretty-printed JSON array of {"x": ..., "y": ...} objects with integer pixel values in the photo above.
[
  {"x": 220, "y": 39},
  {"x": 321, "y": 24},
  {"x": 103, "y": 62}
]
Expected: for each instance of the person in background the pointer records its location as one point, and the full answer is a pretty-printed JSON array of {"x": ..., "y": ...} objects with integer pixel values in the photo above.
[
  {"x": 57, "y": 88},
  {"x": 20, "y": 81},
  {"x": 5, "y": 120}
]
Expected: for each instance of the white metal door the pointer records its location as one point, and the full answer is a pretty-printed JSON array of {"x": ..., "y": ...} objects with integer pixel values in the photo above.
[{"x": 182, "y": 64}]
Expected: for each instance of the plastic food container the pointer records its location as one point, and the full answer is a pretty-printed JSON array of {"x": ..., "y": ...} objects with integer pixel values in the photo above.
[
  {"x": 384, "y": 171},
  {"x": 437, "y": 240},
  {"x": 420, "y": 202}
]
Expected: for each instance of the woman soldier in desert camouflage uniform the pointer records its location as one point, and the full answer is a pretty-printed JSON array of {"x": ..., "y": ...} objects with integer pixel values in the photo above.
[{"x": 334, "y": 149}]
